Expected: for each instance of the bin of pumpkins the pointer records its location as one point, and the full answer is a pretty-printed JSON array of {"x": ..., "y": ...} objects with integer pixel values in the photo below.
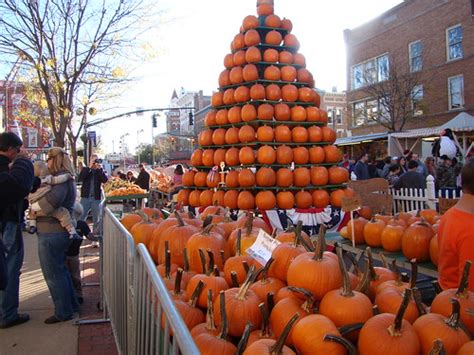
[
  {"x": 303, "y": 300},
  {"x": 415, "y": 235},
  {"x": 267, "y": 127}
]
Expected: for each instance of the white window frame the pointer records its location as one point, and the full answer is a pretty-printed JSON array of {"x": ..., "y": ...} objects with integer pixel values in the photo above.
[
  {"x": 450, "y": 108},
  {"x": 329, "y": 110},
  {"x": 410, "y": 57},
  {"x": 413, "y": 107},
  {"x": 447, "y": 43},
  {"x": 338, "y": 118},
  {"x": 353, "y": 104},
  {"x": 375, "y": 71}
]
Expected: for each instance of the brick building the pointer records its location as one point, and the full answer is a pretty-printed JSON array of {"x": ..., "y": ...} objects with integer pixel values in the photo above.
[
  {"x": 432, "y": 38},
  {"x": 336, "y": 106}
]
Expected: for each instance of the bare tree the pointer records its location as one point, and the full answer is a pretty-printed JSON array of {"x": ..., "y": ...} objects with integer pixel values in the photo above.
[{"x": 70, "y": 43}]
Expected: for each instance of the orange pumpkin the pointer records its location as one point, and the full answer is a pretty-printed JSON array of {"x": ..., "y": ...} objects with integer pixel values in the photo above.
[
  {"x": 285, "y": 200},
  {"x": 391, "y": 237},
  {"x": 286, "y": 57},
  {"x": 265, "y": 177},
  {"x": 272, "y": 73},
  {"x": 289, "y": 93},
  {"x": 270, "y": 55},
  {"x": 232, "y": 156},
  {"x": 321, "y": 198},
  {"x": 284, "y": 154},
  {"x": 302, "y": 177},
  {"x": 266, "y": 155},
  {"x": 246, "y": 134},
  {"x": 246, "y": 201},
  {"x": 265, "y": 200},
  {"x": 282, "y": 134},
  {"x": 416, "y": 241},
  {"x": 303, "y": 199},
  {"x": 358, "y": 225},
  {"x": 273, "y": 37},
  {"x": 298, "y": 113},
  {"x": 299, "y": 134},
  {"x": 233, "y": 115},
  {"x": 288, "y": 73},
  {"x": 246, "y": 178},
  {"x": 251, "y": 38},
  {"x": 273, "y": 92},
  {"x": 319, "y": 175},
  {"x": 246, "y": 156},
  {"x": 241, "y": 94},
  {"x": 338, "y": 175},
  {"x": 208, "y": 157},
  {"x": 232, "y": 135},
  {"x": 284, "y": 177},
  {"x": 230, "y": 199},
  {"x": 235, "y": 76},
  {"x": 253, "y": 55},
  {"x": 265, "y": 112},
  {"x": 300, "y": 155},
  {"x": 265, "y": 134},
  {"x": 250, "y": 72},
  {"x": 248, "y": 113},
  {"x": 316, "y": 155},
  {"x": 232, "y": 178},
  {"x": 332, "y": 154},
  {"x": 373, "y": 232},
  {"x": 272, "y": 21},
  {"x": 257, "y": 92},
  {"x": 282, "y": 112}
]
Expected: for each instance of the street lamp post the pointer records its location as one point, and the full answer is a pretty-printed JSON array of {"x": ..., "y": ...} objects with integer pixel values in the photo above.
[{"x": 138, "y": 142}]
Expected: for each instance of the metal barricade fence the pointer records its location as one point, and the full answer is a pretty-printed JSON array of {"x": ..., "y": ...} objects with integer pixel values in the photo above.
[
  {"x": 141, "y": 311},
  {"x": 156, "y": 315},
  {"x": 117, "y": 275}
]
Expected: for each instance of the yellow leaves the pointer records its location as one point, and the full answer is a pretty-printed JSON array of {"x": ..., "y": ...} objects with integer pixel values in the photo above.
[
  {"x": 51, "y": 62},
  {"x": 43, "y": 104},
  {"x": 118, "y": 72}
]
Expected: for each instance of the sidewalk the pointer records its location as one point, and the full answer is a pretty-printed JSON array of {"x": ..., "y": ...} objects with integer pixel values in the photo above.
[{"x": 35, "y": 337}]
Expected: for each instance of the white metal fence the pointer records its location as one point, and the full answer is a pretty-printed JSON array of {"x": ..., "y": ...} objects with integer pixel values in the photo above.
[
  {"x": 405, "y": 200},
  {"x": 141, "y": 311}
]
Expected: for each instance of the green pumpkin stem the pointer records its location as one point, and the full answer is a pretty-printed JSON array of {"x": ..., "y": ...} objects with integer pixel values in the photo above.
[
  {"x": 351, "y": 350},
  {"x": 277, "y": 348},
  {"x": 462, "y": 289},
  {"x": 395, "y": 328},
  {"x": 346, "y": 282}
]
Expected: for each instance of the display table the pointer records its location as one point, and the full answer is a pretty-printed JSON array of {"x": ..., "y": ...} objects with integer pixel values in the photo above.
[
  {"x": 160, "y": 198},
  {"x": 425, "y": 268},
  {"x": 128, "y": 201}
]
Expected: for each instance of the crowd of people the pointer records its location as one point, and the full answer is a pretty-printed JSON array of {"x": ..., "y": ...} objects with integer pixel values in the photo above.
[{"x": 47, "y": 191}]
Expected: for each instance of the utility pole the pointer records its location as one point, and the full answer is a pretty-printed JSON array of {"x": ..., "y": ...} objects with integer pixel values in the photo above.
[{"x": 138, "y": 142}]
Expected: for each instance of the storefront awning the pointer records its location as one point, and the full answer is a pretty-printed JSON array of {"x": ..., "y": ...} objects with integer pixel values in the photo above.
[{"x": 366, "y": 138}]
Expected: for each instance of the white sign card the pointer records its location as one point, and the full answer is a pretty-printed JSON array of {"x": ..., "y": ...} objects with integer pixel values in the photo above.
[{"x": 263, "y": 247}]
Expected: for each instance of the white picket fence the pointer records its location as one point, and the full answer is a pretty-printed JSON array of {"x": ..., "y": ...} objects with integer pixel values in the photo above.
[{"x": 405, "y": 200}]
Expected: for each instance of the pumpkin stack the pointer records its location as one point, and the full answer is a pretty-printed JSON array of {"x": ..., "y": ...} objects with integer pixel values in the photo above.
[{"x": 266, "y": 126}]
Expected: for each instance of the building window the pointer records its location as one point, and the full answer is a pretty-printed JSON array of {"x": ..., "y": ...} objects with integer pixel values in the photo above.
[
  {"x": 416, "y": 56},
  {"x": 456, "y": 92},
  {"x": 372, "y": 107},
  {"x": 454, "y": 42},
  {"x": 330, "y": 115},
  {"x": 416, "y": 98},
  {"x": 359, "y": 113},
  {"x": 371, "y": 71},
  {"x": 340, "y": 133},
  {"x": 338, "y": 116}
]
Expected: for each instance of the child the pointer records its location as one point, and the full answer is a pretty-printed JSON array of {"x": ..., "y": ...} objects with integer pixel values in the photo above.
[{"x": 39, "y": 205}]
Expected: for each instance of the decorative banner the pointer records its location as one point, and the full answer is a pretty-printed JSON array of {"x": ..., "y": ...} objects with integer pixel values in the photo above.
[{"x": 32, "y": 137}]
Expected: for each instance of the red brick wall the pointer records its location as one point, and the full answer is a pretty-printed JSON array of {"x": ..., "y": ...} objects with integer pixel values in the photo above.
[{"x": 425, "y": 20}]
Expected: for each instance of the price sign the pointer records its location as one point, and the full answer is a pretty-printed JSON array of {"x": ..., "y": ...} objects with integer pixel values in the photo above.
[
  {"x": 263, "y": 247},
  {"x": 351, "y": 203}
]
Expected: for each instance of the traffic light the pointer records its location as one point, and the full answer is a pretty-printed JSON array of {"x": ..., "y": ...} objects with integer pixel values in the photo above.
[
  {"x": 191, "y": 118},
  {"x": 153, "y": 121}
]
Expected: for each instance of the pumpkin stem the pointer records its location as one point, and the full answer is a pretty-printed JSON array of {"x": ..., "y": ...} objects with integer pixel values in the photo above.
[
  {"x": 277, "y": 348},
  {"x": 180, "y": 219},
  {"x": 398, "y": 275},
  {"x": 242, "y": 345},
  {"x": 436, "y": 286},
  {"x": 349, "y": 328},
  {"x": 354, "y": 262},
  {"x": 222, "y": 256},
  {"x": 225, "y": 325},
  {"x": 346, "y": 283},
  {"x": 186, "y": 259},
  {"x": 167, "y": 261},
  {"x": 438, "y": 348},
  {"x": 375, "y": 310},
  {"x": 191, "y": 215},
  {"x": 216, "y": 271},
  {"x": 351, "y": 350},
  {"x": 245, "y": 286},
  {"x": 395, "y": 328},
  {"x": 177, "y": 281},
  {"x": 211, "y": 262},
  {"x": 414, "y": 273},
  {"x": 270, "y": 302},
  {"x": 235, "y": 281},
  {"x": 373, "y": 274},
  {"x": 207, "y": 222},
  {"x": 321, "y": 243},
  {"x": 384, "y": 260},
  {"x": 196, "y": 293},
  {"x": 249, "y": 224},
  {"x": 208, "y": 228},
  {"x": 308, "y": 305},
  {"x": 418, "y": 301},
  {"x": 246, "y": 266},
  {"x": 461, "y": 292},
  {"x": 454, "y": 318},
  {"x": 238, "y": 243},
  {"x": 364, "y": 283},
  {"x": 264, "y": 271},
  {"x": 144, "y": 216},
  {"x": 210, "y": 323},
  {"x": 265, "y": 332},
  {"x": 202, "y": 257}
]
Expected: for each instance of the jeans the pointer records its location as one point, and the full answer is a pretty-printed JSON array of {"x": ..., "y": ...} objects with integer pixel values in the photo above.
[
  {"x": 52, "y": 248},
  {"x": 12, "y": 240},
  {"x": 90, "y": 203}
]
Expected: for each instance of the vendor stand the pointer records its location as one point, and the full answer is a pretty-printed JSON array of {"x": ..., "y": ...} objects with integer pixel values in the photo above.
[{"x": 125, "y": 195}]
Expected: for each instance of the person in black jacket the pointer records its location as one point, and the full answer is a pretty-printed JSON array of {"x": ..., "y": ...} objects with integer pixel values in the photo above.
[
  {"x": 92, "y": 178},
  {"x": 411, "y": 179},
  {"x": 15, "y": 184},
  {"x": 143, "y": 179},
  {"x": 361, "y": 168}
]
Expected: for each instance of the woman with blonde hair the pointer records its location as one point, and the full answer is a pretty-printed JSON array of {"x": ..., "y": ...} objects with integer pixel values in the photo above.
[{"x": 54, "y": 241}]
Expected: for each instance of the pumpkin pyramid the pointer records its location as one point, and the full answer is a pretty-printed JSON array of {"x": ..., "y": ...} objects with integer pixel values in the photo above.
[{"x": 265, "y": 132}]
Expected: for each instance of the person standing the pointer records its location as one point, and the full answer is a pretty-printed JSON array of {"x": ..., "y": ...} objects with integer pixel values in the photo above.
[
  {"x": 92, "y": 178},
  {"x": 430, "y": 166},
  {"x": 393, "y": 174},
  {"x": 15, "y": 184},
  {"x": 411, "y": 179},
  {"x": 54, "y": 241},
  {"x": 445, "y": 175},
  {"x": 421, "y": 167},
  {"x": 403, "y": 165},
  {"x": 143, "y": 178},
  {"x": 361, "y": 169},
  {"x": 456, "y": 234}
]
